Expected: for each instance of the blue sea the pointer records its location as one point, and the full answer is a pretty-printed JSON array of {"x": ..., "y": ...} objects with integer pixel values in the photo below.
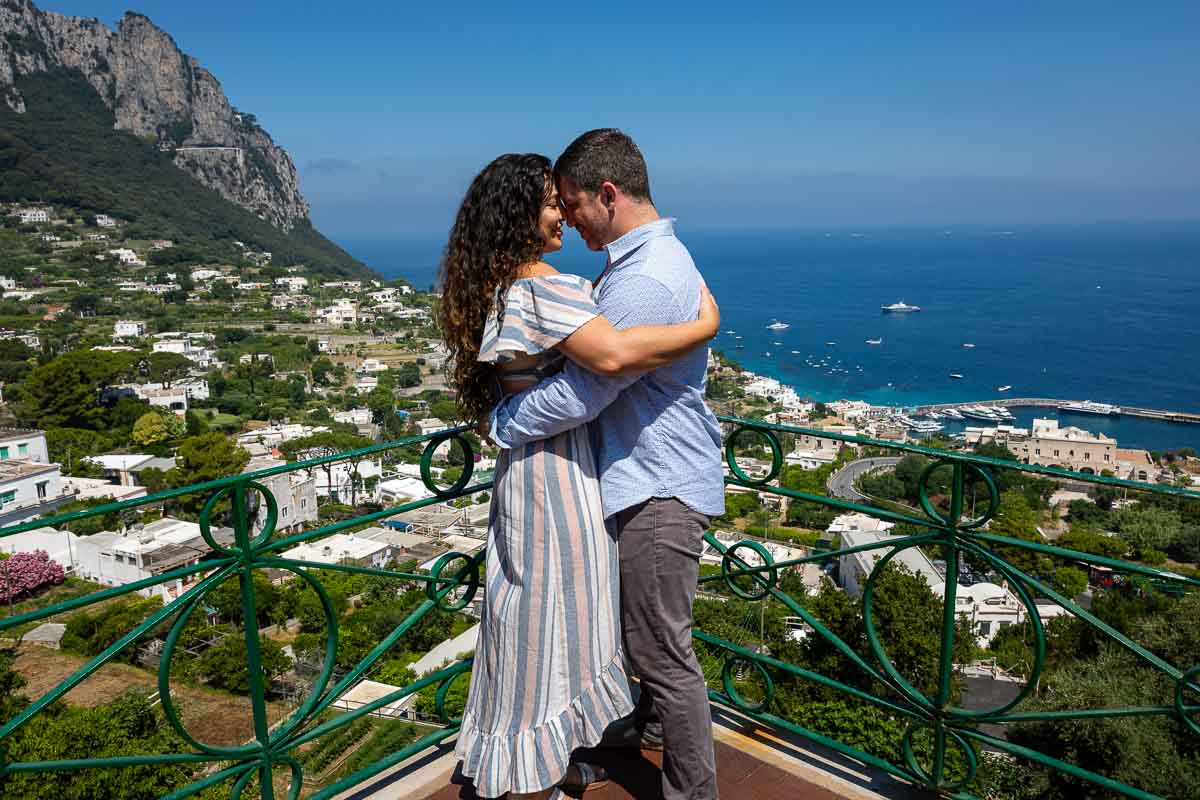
[{"x": 1103, "y": 312}]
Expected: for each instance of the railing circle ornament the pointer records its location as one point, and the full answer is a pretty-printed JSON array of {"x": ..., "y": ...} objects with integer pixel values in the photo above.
[
  {"x": 433, "y": 587},
  {"x": 982, "y": 472},
  {"x": 729, "y": 684},
  {"x": 439, "y": 700},
  {"x": 211, "y": 504},
  {"x": 1190, "y": 714},
  {"x": 427, "y": 463},
  {"x": 939, "y": 783},
  {"x": 765, "y": 580},
  {"x": 776, "y": 455},
  {"x": 257, "y": 749}
]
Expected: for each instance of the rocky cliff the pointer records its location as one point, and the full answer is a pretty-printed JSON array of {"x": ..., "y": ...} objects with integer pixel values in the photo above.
[{"x": 160, "y": 94}]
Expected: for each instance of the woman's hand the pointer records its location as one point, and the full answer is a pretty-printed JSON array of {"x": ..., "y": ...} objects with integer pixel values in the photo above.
[{"x": 710, "y": 314}]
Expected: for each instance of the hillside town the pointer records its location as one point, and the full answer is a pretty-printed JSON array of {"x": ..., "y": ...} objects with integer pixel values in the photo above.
[{"x": 131, "y": 365}]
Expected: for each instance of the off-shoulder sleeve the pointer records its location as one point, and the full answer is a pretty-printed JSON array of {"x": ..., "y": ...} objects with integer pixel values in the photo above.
[{"x": 538, "y": 314}]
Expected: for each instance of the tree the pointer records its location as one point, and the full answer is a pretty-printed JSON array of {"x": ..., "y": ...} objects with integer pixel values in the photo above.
[
  {"x": 322, "y": 368},
  {"x": 205, "y": 458},
  {"x": 381, "y": 402},
  {"x": 322, "y": 445},
  {"x": 66, "y": 392},
  {"x": 166, "y": 368},
  {"x": 25, "y": 573},
  {"x": 226, "y": 666},
  {"x": 1148, "y": 527},
  {"x": 156, "y": 427},
  {"x": 1071, "y": 581},
  {"x": 127, "y": 726}
]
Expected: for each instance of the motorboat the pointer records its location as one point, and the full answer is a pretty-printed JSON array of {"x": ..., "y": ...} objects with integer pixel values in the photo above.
[
  {"x": 778, "y": 326},
  {"x": 899, "y": 308},
  {"x": 969, "y": 345},
  {"x": 874, "y": 341},
  {"x": 1004, "y": 388},
  {"x": 952, "y": 413},
  {"x": 1088, "y": 407},
  {"x": 956, "y": 375}
]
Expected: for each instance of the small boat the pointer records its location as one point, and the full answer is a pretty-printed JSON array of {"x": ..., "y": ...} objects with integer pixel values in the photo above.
[
  {"x": 737, "y": 337},
  {"x": 731, "y": 333},
  {"x": 874, "y": 341},
  {"x": 777, "y": 344},
  {"x": 795, "y": 352},
  {"x": 956, "y": 375},
  {"x": 739, "y": 347},
  {"x": 899, "y": 308},
  {"x": 830, "y": 344},
  {"x": 768, "y": 354},
  {"x": 778, "y": 326},
  {"x": 1004, "y": 388},
  {"x": 968, "y": 345}
]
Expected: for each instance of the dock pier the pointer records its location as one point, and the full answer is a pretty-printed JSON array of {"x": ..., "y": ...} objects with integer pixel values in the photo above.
[{"x": 1185, "y": 417}]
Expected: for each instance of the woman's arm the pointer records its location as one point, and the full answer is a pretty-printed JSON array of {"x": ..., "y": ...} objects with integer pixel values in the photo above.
[{"x": 603, "y": 349}]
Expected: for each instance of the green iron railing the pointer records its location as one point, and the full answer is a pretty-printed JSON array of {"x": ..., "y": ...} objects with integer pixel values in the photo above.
[{"x": 953, "y": 733}]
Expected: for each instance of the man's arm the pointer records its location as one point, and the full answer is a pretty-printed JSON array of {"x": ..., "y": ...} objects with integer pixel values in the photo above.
[{"x": 575, "y": 395}]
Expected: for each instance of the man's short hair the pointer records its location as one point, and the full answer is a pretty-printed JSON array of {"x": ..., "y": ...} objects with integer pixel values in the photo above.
[{"x": 605, "y": 154}]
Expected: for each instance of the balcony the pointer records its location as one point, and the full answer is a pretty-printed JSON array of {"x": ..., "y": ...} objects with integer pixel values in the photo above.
[{"x": 813, "y": 693}]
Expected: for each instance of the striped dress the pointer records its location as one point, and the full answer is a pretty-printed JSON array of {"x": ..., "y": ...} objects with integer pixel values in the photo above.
[{"x": 548, "y": 675}]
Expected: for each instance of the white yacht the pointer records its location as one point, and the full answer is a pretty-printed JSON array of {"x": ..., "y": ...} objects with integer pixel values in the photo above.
[
  {"x": 899, "y": 308},
  {"x": 969, "y": 345},
  {"x": 1088, "y": 407},
  {"x": 1003, "y": 388},
  {"x": 979, "y": 412},
  {"x": 956, "y": 375},
  {"x": 952, "y": 413},
  {"x": 778, "y": 326},
  {"x": 874, "y": 341}
]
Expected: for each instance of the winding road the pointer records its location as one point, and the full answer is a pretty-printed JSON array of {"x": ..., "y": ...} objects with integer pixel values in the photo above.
[{"x": 841, "y": 483}]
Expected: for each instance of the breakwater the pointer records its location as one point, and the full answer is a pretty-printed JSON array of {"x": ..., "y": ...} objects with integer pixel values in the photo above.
[{"x": 1044, "y": 402}]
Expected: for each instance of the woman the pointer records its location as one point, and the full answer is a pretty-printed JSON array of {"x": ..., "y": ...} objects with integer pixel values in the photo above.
[{"x": 548, "y": 674}]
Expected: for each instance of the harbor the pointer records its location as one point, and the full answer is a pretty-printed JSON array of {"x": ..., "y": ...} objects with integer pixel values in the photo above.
[{"x": 1042, "y": 402}]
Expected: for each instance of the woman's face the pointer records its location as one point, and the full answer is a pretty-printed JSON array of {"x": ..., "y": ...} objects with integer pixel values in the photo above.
[{"x": 550, "y": 223}]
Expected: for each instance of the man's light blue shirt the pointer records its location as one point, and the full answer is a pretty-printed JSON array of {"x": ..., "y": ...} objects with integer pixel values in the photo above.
[{"x": 655, "y": 436}]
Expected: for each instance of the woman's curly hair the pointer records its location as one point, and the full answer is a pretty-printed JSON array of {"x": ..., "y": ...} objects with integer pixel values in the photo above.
[{"x": 494, "y": 234}]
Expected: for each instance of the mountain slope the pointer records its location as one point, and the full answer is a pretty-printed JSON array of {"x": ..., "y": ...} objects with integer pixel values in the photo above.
[
  {"x": 151, "y": 106},
  {"x": 64, "y": 150}
]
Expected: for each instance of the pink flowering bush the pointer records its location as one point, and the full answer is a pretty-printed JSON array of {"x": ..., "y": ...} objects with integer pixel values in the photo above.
[{"x": 22, "y": 574}]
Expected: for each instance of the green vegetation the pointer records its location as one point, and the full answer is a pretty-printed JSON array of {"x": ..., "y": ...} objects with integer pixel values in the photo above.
[{"x": 64, "y": 150}]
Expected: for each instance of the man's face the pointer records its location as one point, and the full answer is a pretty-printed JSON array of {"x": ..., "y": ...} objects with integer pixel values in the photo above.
[{"x": 586, "y": 213}]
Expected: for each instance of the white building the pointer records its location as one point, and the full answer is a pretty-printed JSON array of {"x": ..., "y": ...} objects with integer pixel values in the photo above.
[
  {"x": 31, "y": 216},
  {"x": 24, "y": 444},
  {"x": 204, "y": 275},
  {"x": 202, "y": 357},
  {"x": 371, "y": 366},
  {"x": 400, "y": 490},
  {"x": 28, "y": 490},
  {"x": 275, "y": 435},
  {"x": 174, "y": 398},
  {"x": 987, "y": 606},
  {"x": 61, "y": 546},
  {"x": 127, "y": 257},
  {"x": 295, "y": 494},
  {"x": 125, "y": 467},
  {"x": 105, "y": 221},
  {"x": 293, "y": 283},
  {"x": 7, "y": 284},
  {"x": 347, "y": 286},
  {"x": 116, "y": 559},
  {"x": 430, "y": 425},
  {"x": 355, "y": 416},
  {"x": 340, "y": 548},
  {"x": 342, "y": 312},
  {"x": 129, "y": 328},
  {"x": 383, "y": 296}
]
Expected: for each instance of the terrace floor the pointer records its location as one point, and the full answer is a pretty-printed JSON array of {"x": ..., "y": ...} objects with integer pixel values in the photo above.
[{"x": 752, "y": 762}]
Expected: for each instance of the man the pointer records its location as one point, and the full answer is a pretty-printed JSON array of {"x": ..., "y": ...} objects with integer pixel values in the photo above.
[{"x": 657, "y": 443}]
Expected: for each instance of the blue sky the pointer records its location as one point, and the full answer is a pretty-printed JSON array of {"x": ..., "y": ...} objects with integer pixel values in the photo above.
[{"x": 750, "y": 115}]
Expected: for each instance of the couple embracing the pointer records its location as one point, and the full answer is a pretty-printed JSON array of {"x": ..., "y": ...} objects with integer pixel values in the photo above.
[{"x": 608, "y": 475}]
